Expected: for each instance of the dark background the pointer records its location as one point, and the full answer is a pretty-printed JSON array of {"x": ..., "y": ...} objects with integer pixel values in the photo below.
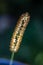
[{"x": 31, "y": 49}]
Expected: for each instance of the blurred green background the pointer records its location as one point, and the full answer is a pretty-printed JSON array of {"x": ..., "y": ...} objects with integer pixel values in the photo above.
[{"x": 31, "y": 49}]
